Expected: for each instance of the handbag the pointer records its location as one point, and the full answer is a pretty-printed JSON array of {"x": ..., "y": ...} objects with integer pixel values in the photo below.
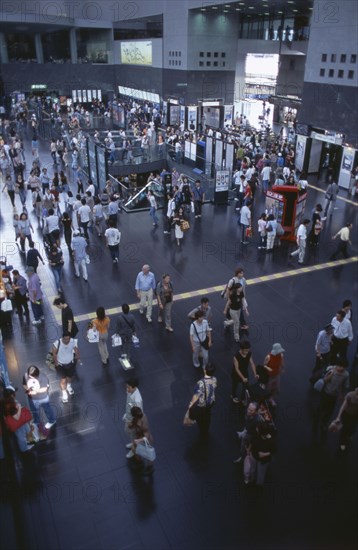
[
  {"x": 249, "y": 469},
  {"x": 12, "y": 424},
  {"x": 192, "y": 206},
  {"x": 145, "y": 450},
  {"x": 116, "y": 341},
  {"x": 6, "y": 305},
  {"x": 184, "y": 225},
  {"x": 204, "y": 343},
  {"x": 187, "y": 420},
  {"x": 87, "y": 259},
  {"x": 49, "y": 360},
  {"x": 319, "y": 385},
  {"x": 269, "y": 228},
  {"x": 248, "y": 232},
  {"x": 93, "y": 335},
  {"x": 335, "y": 426}
]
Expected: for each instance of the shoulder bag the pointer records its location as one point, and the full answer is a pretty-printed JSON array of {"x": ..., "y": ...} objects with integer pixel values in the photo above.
[{"x": 205, "y": 343}]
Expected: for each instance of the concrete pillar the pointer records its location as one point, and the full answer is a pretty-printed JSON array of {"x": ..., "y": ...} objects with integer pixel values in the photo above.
[
  {"x": 73, "y": 45},
  {"x": 4, "y": 58},
  {"x": 38, "y": 48}
]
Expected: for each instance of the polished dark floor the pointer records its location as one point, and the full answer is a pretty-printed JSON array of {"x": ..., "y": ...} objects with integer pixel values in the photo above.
[{"x": 78, "y": 490}]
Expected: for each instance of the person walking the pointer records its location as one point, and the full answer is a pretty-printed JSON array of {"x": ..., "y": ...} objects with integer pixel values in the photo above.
[
  {"x": 235, "y": 304},
  {"x": 342, "y": 336},
  {"x": 200, "y": 339},
  {"x": 348, "y": 418},
  {"x": 145, "y": 285},
  {"x": 336, "y": 381},
  {"x": 203, "y": 400},
  {"x": 101, "y": 324},
  {"x": 133, "y": 399},
  {"x": 113, "y": 238},
  {"x": 125, "y": 328},
  {"x": 24, "y": 228},
  {"x": 179, "y": 223},
  {"x": 344, "y": 240},
  {"x": 79, "y": 247},
  {"x": 65, "y": 356},
  {"x": 274, "y": 364},
  {"x": 140, "y": 432},
  {"x": 9, "y": 185},
  {"x": 56, "y": 262},
  {"x": 35, "y": 295},
  {"x": 20, "y": 288},
  {"x": 240, "y": 371},
  {"x": 301, "y": 239},
  {"x": 153, "y": 207},
  {"x": 84, "y": 217},
  {"x": 198, "y": 196},
  {"x": 165, "y": 301},
  {"x": 33, "y": 256},
  {"x": 261, "y": 227},
  {"x": 271, "y": 230},
  {"x": 263, "y": 447},
  {"x": 67, "y": 319},
  {"x": 331, "y": 198},
  {"x": 245, "y": 221},
  {"x": 323, "y": 352},
  {"x": 37, "y": 388}
]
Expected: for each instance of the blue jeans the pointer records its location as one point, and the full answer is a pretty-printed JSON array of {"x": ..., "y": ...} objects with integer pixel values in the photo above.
[
  {"x": 57, "y": 271},
  {"x": 37, "y": 310},
  {"x": 153, "y": 214},
  {"x": 265, "y": 185},
  {"x": 37, "y": 404}
]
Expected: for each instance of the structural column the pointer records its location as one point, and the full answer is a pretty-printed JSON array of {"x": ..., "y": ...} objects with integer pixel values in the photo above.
[
  {"x": 73, "y": 45},
  {"x": 4, "y": 58},
  {"x": 38, "y": 48}
]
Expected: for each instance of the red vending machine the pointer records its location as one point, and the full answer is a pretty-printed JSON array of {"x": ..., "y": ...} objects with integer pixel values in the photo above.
[{"x": 287, "y": 204}]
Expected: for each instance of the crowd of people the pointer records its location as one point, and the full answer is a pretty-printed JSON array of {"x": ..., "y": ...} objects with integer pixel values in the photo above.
[{"x": 61, "y": 210}]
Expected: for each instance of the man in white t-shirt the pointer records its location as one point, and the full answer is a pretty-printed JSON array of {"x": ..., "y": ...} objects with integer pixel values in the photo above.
[
  {"x": 113, "y": 238},
  {"x": 84, "y": 216},
  {"x": 65, "y": 354},
  {"x": 301, "y": 239},
  {"x": 265, "y": 174},
  {"x": 53, "y": 227},
  {"x": 134, "y": 399},
  {"x": 245, "y": 221}
]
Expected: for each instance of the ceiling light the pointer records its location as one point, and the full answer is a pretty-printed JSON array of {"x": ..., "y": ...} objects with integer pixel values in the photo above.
[
  {"x": 227, "y": 5},
  {"x": 237, "y": 9},
  {"x": 290, "y": 1},
  {"x": 266, "y": 13},
  {"x": 295, "y": 11},
  {"x": 251, "y": 7},
  {"x": 214, "y": 8},
  {"x": 203, "y": 9},
  {"x": 225, "y": 11},
  {"x": 280, "y": 12}
]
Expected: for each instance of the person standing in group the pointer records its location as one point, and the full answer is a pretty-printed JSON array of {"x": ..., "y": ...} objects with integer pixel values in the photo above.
[
  {"x": 347, "y": 308},
  {"x": 331, "y": 198},
  {"x": 348, "y": 417},
  {"x": 125, "y": 328},
  {"x": 35, "y": 295},
  {"x": 153, "y": 207},
  {"x": 113, "y": 210},
  {"x": 240, "y": 371},
  {"x": 271, "y": 229},
  {"x": 301, "y": 239},
  {"x": 342, "y": 336},
  {"x": 265, "y": 175},
  {"x": 205, "y": 307},
  {"x": 323, "y": 351},
  {"x": 200, "y": 339},
  {"x": 98, "y": 217},
  {"x": 165, "y": 301},
  {"x": 33, "y": 256},
  {"x": 203, "y": 400},
  {"x": 198, "y": 196},
  {"x": 101, "y": 324},
  {"x": 317, "y": 225},
  {"x": 344, "y": 240},
  {"x": 65, "y": 356},
  {"x": 235, "y": 304},
  {"x": 37, "y": 386},
  {"x": 113, "y": 238},
  {"x": 261, "y": 227},
  {"x": 336, "y": 381},
  {"x": 20, "y": 287},
  {"x": 274, "y": 364},
  {"x": 134, "y": 399},
  {"x": 9, "y": 185},
  {"x": 53, "y": 227},
  {"x": 79, "y": 247},
  {"x": 145, "y": 286},
  {"x": 245, "y": 222},
  {"x": 178, "y": 222},
  {"x": 263, "y": 446},
  {"x": 168, "y": 221},
  {"x": 67, "y": 319}
]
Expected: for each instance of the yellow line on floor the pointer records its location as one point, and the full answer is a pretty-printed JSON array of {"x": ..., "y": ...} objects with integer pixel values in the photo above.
[
  {"x": 338, "y": 197},
  {"x": 250, "y": 282}
]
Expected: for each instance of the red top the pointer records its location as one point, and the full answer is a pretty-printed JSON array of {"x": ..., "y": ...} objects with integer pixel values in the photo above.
[{"x": 275, "y": 364}]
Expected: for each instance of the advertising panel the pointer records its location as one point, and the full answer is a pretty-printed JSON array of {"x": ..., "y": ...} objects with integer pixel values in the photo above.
[
  {"x": 192, "y": 118},
  {"x": 136, "y": 53}
]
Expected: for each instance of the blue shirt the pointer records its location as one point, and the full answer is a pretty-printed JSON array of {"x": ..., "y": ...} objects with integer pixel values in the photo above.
[{"x": 145, "y": 282}]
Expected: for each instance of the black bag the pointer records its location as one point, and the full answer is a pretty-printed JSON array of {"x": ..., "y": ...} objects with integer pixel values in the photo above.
[
  {"x": 74, "y": 329},
  {"x": 205, "y": 343}
]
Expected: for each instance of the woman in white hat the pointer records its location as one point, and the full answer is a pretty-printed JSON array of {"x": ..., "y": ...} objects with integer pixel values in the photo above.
[{"x": 274, "y": 363}]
